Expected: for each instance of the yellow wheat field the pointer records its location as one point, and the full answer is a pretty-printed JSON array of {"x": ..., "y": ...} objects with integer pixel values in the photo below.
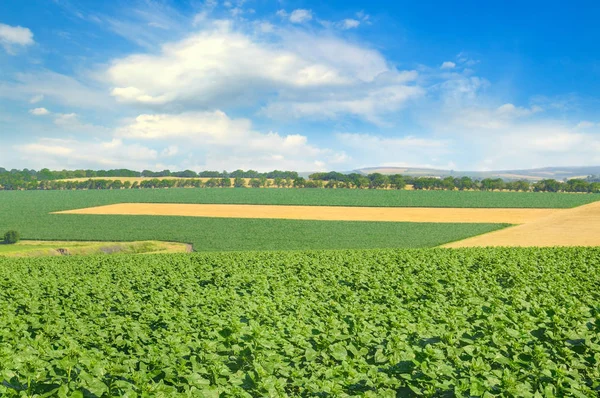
[
  {"x": 395, "y": 214},
  {"x": 573, "y": 227}
]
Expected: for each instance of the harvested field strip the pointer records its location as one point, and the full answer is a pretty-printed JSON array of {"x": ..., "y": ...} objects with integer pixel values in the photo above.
[
  {"x": 36, "y": 248},
  {"x": 338, "y": 213},
  {"x": 574, "y": 227}
]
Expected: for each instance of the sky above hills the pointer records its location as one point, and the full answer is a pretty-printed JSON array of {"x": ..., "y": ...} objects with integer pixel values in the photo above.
[{"x": 302, "y": 85}]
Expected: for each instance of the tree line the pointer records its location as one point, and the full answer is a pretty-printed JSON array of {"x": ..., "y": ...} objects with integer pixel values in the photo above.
[
  {"x": 55, "y": 180},
  {"x": 397, "y": 181},
  {"x": 49, "y": 175}
]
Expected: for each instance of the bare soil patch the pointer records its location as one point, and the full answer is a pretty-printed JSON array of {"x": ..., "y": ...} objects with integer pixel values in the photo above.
[
  {"x": 340, "y": 213},
  {"x": 572, "y": 227}
]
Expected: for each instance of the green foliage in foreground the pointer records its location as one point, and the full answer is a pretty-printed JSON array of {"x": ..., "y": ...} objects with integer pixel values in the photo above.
[
  {"x": 29, "y": 212},
  {"x": 383, "y": 323}
]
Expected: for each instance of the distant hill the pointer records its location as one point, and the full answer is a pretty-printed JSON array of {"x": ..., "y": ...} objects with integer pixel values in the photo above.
[{"x": 557, "y": 173}]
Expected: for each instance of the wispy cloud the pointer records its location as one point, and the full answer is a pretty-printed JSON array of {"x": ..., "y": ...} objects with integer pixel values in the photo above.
[
  {"x": 301, "y": 16},
  {"x": 39, "y": 111},
  {"x": 13, "y": 36}
]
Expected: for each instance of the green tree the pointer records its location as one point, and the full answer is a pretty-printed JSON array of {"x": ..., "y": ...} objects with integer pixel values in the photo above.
[
  {"x": 11, "y": 237},
  {"x": 212, "y": 183},
  {"x": 239, "y": 182},
  {"x": 397, "y": 181},
  {"x": 299, "y": 182},
  {"x": 361, "y": 182},
  {"x": 263, "y": 181},
  {"x": 378, "y": 180},
  {"x": 225, "y": 182}
]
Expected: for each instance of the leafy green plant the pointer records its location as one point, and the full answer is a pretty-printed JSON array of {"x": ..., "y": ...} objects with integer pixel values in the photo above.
[
  {"x": 11, "y": 237},
  {"x": 374, "y": 323}
]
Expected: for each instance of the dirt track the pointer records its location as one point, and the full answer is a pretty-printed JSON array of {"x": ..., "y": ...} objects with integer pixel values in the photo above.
[
  {"x": 573, "y": 227},
  {"x": 397, "y": 214}
]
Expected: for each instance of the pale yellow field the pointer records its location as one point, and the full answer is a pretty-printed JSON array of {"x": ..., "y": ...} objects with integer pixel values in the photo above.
[
  {"x": 35, "y": 248},
  {"x": 396, "y": 214},
  {"x": 572, "y": 227}
]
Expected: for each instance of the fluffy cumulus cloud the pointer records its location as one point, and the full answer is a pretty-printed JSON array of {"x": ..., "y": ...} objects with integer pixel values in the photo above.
[
  {"x": 219, "y": 141},
  {"x": 448, "y": 65},
  {"x": 14, "y": 36},
  {"x": 311, "y": 75}
]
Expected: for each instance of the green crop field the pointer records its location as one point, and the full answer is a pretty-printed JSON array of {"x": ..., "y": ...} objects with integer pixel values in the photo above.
[
  {"x": 29, "y": 213},
  {"x": 381, "y": 323},
  {"x": 64, "y": 200}
]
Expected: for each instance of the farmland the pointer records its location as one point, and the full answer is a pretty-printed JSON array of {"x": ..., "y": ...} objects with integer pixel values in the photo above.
[
  {"x": 573, "y": 227},
  {"x": 65, "y": 200},
  {"x": 335, "y": 213},
  {"x": 385, "y": 323},
  {"x": 30, "y": 213}
]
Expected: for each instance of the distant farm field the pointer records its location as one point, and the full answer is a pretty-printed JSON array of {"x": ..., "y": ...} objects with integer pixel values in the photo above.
[
  {"x": 29, "y": 213},
  {"x": 65, "y": 200}
]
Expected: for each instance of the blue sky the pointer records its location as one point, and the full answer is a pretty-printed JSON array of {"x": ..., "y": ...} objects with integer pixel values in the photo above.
[{"x": 301, "y": 85}]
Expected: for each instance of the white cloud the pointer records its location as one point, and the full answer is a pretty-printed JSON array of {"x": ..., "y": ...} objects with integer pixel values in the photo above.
[
  {"x": 52, "y": 86},
  {"x": 216, "y": 66},
  {"x": 504, "y": 137},
  {"x": 215, "y": 141},
  {"x": 36, "y": 99},
  {"x": 538, "y": 144},
  {"x": 11, "y": 36},
  {"x": 282, "y": 13},
  {"x": 300, "y": 16},
  {"x": 374, "y": 150},
  {"x": 350, "y": 23},
  {"x": 371, "y": 106},
  {"x": 171, "y": 150},
  {"x": 66, "y": 119},
  {"x": 220, "y": 67},
  {"x": 585, "y": 124},
  {"x": 70, "y": 154},
  {"x": 39, "y": 111},
  {"x": 448, "y": 65},
  {"x": 199, "y": 126},
  {"x": 486, "y": 118}
]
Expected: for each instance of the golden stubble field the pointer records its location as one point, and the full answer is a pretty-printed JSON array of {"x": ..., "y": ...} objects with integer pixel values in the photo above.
[
  {"x": 573, "y": 227},
  {"x": 338, "y": 213}
]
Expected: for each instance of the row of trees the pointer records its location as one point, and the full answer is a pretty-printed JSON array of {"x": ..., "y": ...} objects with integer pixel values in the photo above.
[
  {"x": 31, "y": 180},
  {"x": 49, "y": 175},
  {"x": 397, "y": 181}
]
